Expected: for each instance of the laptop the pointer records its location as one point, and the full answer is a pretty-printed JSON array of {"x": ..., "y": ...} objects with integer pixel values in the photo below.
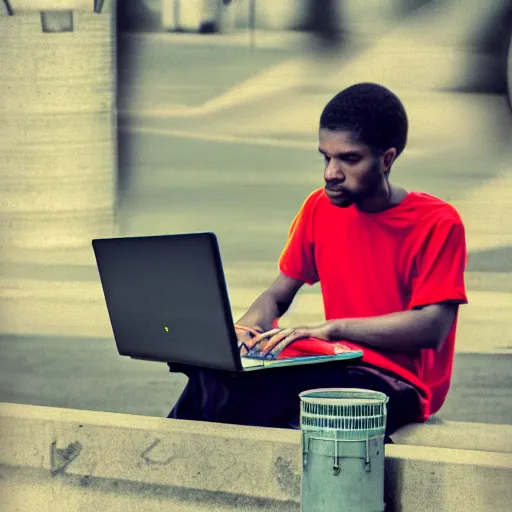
[{"x": 167, "y": 300}]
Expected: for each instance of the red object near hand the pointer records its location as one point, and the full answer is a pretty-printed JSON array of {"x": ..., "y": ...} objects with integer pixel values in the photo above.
[{"x": 312, "y": 347}]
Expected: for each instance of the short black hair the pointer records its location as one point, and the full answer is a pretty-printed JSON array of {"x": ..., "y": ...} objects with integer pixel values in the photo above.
[{"x": 375, "y": 115}]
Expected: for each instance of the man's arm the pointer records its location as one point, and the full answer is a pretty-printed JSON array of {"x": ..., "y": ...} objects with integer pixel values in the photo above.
[
  {"x": 272, "y": 303},
  {"x": 404, "y": 331},
  {"x": 410, "y": 330}
]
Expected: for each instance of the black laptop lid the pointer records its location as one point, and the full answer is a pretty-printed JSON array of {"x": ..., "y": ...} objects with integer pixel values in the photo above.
[{"x": 167, "y": 299}]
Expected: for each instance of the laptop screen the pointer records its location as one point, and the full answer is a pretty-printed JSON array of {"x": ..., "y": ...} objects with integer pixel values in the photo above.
[{"x": 167, "y": 299}]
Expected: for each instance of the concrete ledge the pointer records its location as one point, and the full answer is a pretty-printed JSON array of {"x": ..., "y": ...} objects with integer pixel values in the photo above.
[
  {"x": 205, "y": 457},
  {"x": 89, "y": 458},
  {"x": 447, "y": 480},
  {"x": 456, "y": 435}
]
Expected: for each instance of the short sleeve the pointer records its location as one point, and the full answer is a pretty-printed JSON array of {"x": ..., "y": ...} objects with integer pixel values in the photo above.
[
  {"x": 440, "y": 265},
  {"x": 297, "y": 259}
]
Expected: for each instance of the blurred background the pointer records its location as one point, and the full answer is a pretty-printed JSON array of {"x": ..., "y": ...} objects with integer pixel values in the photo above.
[{"x": 204, "y": 118}]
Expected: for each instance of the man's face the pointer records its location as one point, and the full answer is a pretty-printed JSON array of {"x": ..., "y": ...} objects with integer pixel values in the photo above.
[{"x": 352, "y": 173}]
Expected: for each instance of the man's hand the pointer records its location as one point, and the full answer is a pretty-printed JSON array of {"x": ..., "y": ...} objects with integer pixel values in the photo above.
[
  {"x": 247, "y": 337},
  {"x": 271, "y": 343}
]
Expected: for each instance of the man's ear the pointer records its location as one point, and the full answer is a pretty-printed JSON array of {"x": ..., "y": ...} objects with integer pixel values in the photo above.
[{"x": 388, "y": 158}]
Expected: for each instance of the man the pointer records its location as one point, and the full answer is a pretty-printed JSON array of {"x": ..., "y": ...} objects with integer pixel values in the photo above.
[{"x": 391, "y": 268}]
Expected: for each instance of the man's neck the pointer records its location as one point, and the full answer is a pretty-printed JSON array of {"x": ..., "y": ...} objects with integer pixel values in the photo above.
[{"x": 384, "y": 201}]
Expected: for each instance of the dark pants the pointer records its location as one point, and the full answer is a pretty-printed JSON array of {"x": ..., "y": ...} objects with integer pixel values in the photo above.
[{"x": 270, "y": 397}]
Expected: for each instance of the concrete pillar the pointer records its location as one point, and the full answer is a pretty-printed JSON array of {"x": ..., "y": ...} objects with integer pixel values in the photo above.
[{"x": 57, "y": 130}]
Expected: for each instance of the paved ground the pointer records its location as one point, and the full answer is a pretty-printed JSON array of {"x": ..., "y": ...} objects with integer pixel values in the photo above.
[
  {"x": 223, "y": 138},
  {"x": 87, "y": 373}
]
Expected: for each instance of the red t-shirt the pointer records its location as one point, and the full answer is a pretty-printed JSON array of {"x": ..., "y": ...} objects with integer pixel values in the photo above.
[{"x": 370, "y": 264}]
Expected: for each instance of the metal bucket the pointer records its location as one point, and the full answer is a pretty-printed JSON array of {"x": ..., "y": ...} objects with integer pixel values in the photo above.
[{"x": 343, "y": 450}]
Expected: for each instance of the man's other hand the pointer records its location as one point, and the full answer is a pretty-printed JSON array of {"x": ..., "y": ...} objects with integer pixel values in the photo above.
[{"x": 271, "y": 343}]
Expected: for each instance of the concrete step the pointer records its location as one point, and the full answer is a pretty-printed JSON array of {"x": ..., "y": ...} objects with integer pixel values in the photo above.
[
  {"x": 117, "y": 461},
  {"x": 77, "y": 308}
]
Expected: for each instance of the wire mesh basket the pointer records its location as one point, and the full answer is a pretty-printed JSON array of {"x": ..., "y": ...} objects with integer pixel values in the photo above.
[{"x": 345, "y": 414}]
